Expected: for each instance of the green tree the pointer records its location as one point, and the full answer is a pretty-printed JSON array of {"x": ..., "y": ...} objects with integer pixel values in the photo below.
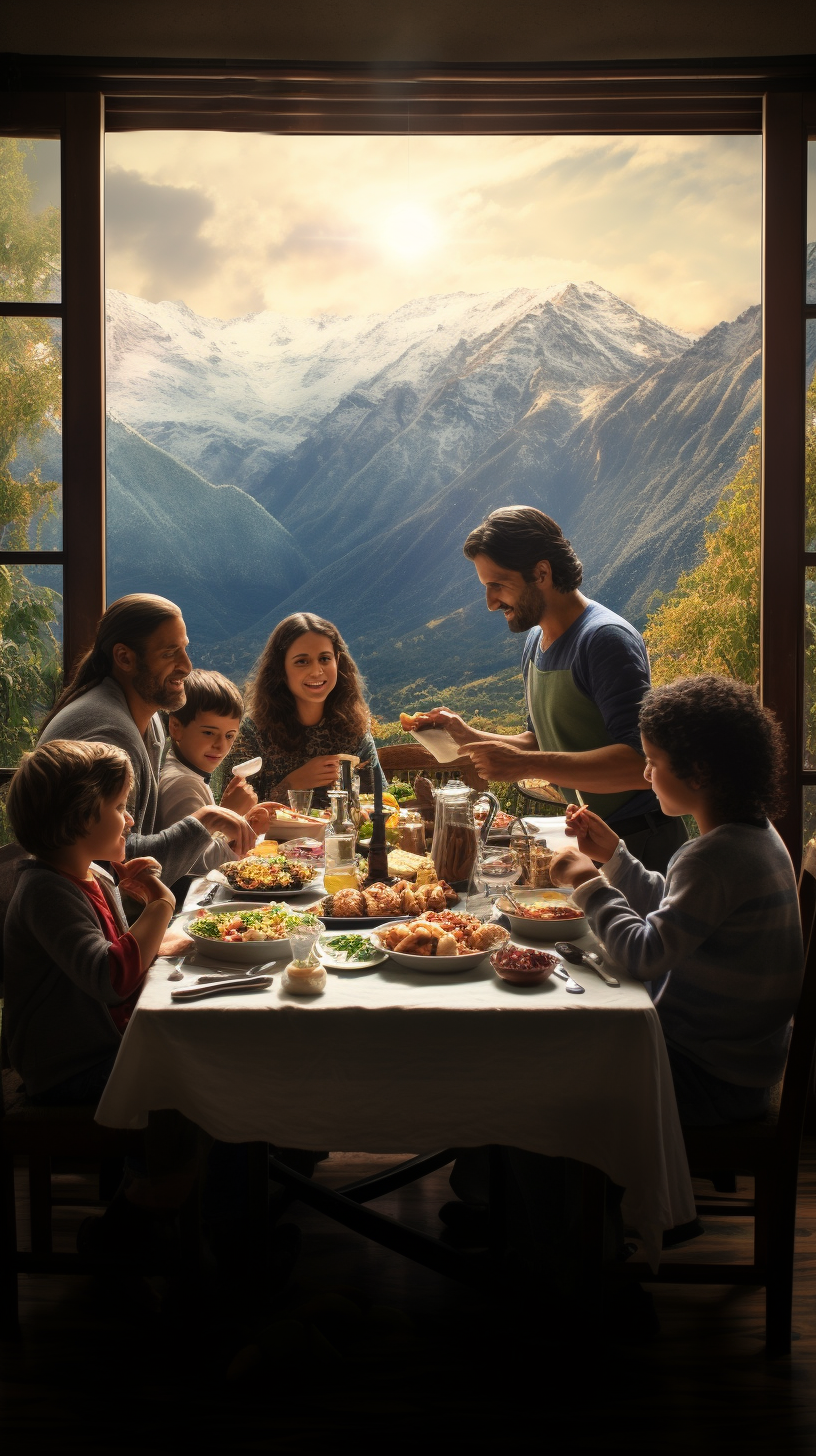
[
  {"x": 710, "y": 622},
  {"x": 30, "y": 401}
]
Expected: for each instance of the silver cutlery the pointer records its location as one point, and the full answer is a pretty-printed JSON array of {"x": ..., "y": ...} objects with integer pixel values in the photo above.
[
  {"x": 175, "y": 975},
  {"x": 208, "y": 898},
  {"x": 221, "y": 988},
  {"x": 571, "y": 986},
  {"x": 585, "y": 958}
]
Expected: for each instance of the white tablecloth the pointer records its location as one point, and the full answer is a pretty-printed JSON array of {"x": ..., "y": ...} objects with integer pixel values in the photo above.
[{"x": 389, "y": 1060}]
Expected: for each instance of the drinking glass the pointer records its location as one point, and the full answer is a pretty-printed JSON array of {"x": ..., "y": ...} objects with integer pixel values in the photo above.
[
  {"x": 302, "y": 942},
  {"x": 300, "y": 801},
  {"x": 497, "y": 872}
]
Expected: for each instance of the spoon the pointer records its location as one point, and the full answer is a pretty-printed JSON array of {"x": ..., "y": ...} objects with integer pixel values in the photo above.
[
  {"x": 585, "y": 957},
  {"x": 571, "y": 986},
  {"x": 176, "y": 974}
]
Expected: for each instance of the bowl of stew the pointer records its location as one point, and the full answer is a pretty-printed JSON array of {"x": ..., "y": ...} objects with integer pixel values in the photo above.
[{"x": 548, "y": 915}]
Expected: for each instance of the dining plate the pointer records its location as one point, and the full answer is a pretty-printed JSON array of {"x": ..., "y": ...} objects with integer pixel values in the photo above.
[
  {"x": 542, "y": 929},
  {"x": 436, "y": 965},
  {"x": 339, "y": 962},
  {"x": 237, "y": 952},
  {"x": 267, "y": 895}
]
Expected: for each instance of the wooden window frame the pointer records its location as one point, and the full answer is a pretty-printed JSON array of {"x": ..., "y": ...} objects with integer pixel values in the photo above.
[{"x": 79, "y": 99}]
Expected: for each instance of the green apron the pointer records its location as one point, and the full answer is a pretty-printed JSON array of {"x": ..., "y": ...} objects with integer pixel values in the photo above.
[{"x": 565, "y": 721}]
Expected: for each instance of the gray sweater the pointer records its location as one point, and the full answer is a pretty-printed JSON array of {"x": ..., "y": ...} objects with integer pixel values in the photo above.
[
  {"x": 725, "y": 925},
  {"x": 57, "y": 983},
  {"x": 102, "y": 716}
]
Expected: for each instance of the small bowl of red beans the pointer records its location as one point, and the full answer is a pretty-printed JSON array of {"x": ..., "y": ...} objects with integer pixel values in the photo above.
[{"x": 522, "y": 967}]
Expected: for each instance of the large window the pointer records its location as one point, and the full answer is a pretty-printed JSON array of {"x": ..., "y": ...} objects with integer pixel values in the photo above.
[
  {"x": 79, "y": 101},
  {"x": 376, "y": 340},
  {"x": 31, "y": 574}
]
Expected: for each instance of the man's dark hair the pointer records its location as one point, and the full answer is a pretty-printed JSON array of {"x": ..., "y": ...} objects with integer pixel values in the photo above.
[
  {"x": 208, "y": 692},
  {"x": 518, "y": 537},
  {"x": 716, "y": 730}
]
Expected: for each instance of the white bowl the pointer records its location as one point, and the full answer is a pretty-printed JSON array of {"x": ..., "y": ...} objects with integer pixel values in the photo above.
[
  {"x": 542, "y": 929},
  {"x": 306, "y": 828},
  {"x": 238, "y": 952},
  {"x": 435, "y": 965}
]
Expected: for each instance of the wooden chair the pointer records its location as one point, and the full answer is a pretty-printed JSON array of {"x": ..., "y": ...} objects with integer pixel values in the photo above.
[
  {"x": 767, "y": 1150},
  {"x": 38, "y": 1135},
  {"x": 411, "y": 759}
]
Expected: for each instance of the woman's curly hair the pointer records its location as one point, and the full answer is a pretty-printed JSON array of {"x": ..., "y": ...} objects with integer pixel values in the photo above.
[
  {"x": 270, "y": 703},
  {"x": 715, "y": 729}
]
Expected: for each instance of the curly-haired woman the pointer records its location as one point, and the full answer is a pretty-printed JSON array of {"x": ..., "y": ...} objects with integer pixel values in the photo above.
[{"x": 305, "y": 707}]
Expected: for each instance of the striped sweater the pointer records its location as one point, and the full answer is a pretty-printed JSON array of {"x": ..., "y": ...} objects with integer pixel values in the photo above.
[{"x": 724, "y": 924}]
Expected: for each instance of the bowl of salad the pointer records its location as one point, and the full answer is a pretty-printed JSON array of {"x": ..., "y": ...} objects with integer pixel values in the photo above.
[{"x": 245, "y": 934}]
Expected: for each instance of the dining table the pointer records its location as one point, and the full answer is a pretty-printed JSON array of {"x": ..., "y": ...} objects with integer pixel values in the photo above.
[{"x": 389, "y": 1059}]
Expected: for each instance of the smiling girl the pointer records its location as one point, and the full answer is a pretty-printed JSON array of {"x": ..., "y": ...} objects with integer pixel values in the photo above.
[{"x": 305, "y": 707}]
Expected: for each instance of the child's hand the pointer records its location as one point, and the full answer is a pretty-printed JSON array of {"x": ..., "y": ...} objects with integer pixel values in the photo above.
[
  {"x": 238, "y": 796},
  {"x": 259, "y": 818},
  {"x": 595, "y": 838},
  {"x": 570, "y": 867},
  {"x": 139, "y": 878},
  {"x": 175, "y": 942}
]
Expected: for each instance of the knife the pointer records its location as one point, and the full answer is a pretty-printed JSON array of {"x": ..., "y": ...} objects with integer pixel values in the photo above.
[
  {"x": 585, "y": 958},
  {"x": 220, "y": 988},
  {"x": 571, "y": 986}
]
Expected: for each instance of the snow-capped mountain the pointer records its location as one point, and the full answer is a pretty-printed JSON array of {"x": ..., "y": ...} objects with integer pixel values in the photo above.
[{"x": 235, "y": 400}]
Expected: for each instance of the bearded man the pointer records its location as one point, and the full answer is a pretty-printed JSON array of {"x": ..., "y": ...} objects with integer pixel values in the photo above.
[
  {"x": 585, "y": 670},
  {"x": 135, "y": 668}
]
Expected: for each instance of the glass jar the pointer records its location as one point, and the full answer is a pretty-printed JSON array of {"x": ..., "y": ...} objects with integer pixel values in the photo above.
[
  {"x": 340, "y": 871},
  {"x": 411, "y": 831}
]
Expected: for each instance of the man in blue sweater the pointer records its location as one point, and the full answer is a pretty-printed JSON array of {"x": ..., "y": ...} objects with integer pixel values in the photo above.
[{"x": 586, "y": 671}]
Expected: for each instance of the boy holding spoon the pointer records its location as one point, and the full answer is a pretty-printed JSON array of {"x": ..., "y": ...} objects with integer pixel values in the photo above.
[{"x": 719, "y": 936}]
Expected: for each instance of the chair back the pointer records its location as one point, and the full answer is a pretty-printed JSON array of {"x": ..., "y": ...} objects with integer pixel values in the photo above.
[
  {"x": 798, "y": 1080},
  {"x": 412, "y": 759}
]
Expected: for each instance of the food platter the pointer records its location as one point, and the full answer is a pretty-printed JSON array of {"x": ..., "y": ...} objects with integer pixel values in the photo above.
[
  {"x": 436, "y": 931},
  {"x": 242, "y": 952},
  {"x": 437, "y": 965}
]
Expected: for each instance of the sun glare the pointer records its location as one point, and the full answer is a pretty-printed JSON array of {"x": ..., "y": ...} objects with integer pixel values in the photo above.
[{"x": 409, "y": 231}]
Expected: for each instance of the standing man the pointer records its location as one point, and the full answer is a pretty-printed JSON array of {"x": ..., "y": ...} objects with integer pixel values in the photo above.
[
  {"x": 585, "y": 670},
  {"x": 136, "y": 667}
]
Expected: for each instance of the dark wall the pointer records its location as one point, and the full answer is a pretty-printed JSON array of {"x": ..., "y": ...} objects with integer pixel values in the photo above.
[{"x": 413, "y": 30}]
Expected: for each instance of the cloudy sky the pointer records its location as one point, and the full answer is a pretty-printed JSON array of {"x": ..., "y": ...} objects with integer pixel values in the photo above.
[{"x": 235, "y": 223}]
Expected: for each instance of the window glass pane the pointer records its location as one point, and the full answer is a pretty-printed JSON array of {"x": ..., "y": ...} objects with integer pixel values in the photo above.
[
  {"x": 29, "y": 221},
  {"x": 30, "y": 439},
  {"x": 811, "y": 224},
  {"x": 809, "y": 814},
  {"x": 810, "y": 668},
  {"x": 328, "y": 358},
  {"x": 810, "y": 436},
  {"x": 30, "y": 653}
]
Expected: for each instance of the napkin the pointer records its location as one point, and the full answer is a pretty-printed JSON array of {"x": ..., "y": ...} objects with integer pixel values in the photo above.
[{"x": 438, "y": 742}]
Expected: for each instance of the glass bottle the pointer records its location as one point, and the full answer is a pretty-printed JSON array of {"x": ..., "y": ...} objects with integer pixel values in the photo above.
[{"x": 341, "y": 862}]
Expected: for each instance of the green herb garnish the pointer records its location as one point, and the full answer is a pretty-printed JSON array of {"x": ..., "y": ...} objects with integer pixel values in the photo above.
[{"x": 354, "y": 947}]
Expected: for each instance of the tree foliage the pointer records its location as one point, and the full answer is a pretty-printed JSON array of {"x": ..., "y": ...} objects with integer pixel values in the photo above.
[
  {"x": 710, "y": 622},
  {"x": 30, "y": 402}
]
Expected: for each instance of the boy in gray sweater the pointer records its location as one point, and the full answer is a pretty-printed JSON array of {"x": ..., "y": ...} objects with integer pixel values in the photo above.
[{"x": 720, "y": 936}]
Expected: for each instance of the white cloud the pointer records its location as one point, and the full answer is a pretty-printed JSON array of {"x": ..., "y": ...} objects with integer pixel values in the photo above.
[{"x": 304, "y": 225}]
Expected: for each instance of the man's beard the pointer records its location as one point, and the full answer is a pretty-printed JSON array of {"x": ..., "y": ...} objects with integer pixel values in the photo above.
[
  {"x": 529, "y": 609},
  {"x": 155, "y": 692}
]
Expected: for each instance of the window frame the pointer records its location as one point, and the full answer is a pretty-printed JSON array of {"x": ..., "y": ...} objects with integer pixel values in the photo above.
[{"x": 79, "y": 99}]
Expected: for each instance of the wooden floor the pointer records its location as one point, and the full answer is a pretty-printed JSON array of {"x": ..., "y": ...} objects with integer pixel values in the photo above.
[{"x": 425, "y": 1366}]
